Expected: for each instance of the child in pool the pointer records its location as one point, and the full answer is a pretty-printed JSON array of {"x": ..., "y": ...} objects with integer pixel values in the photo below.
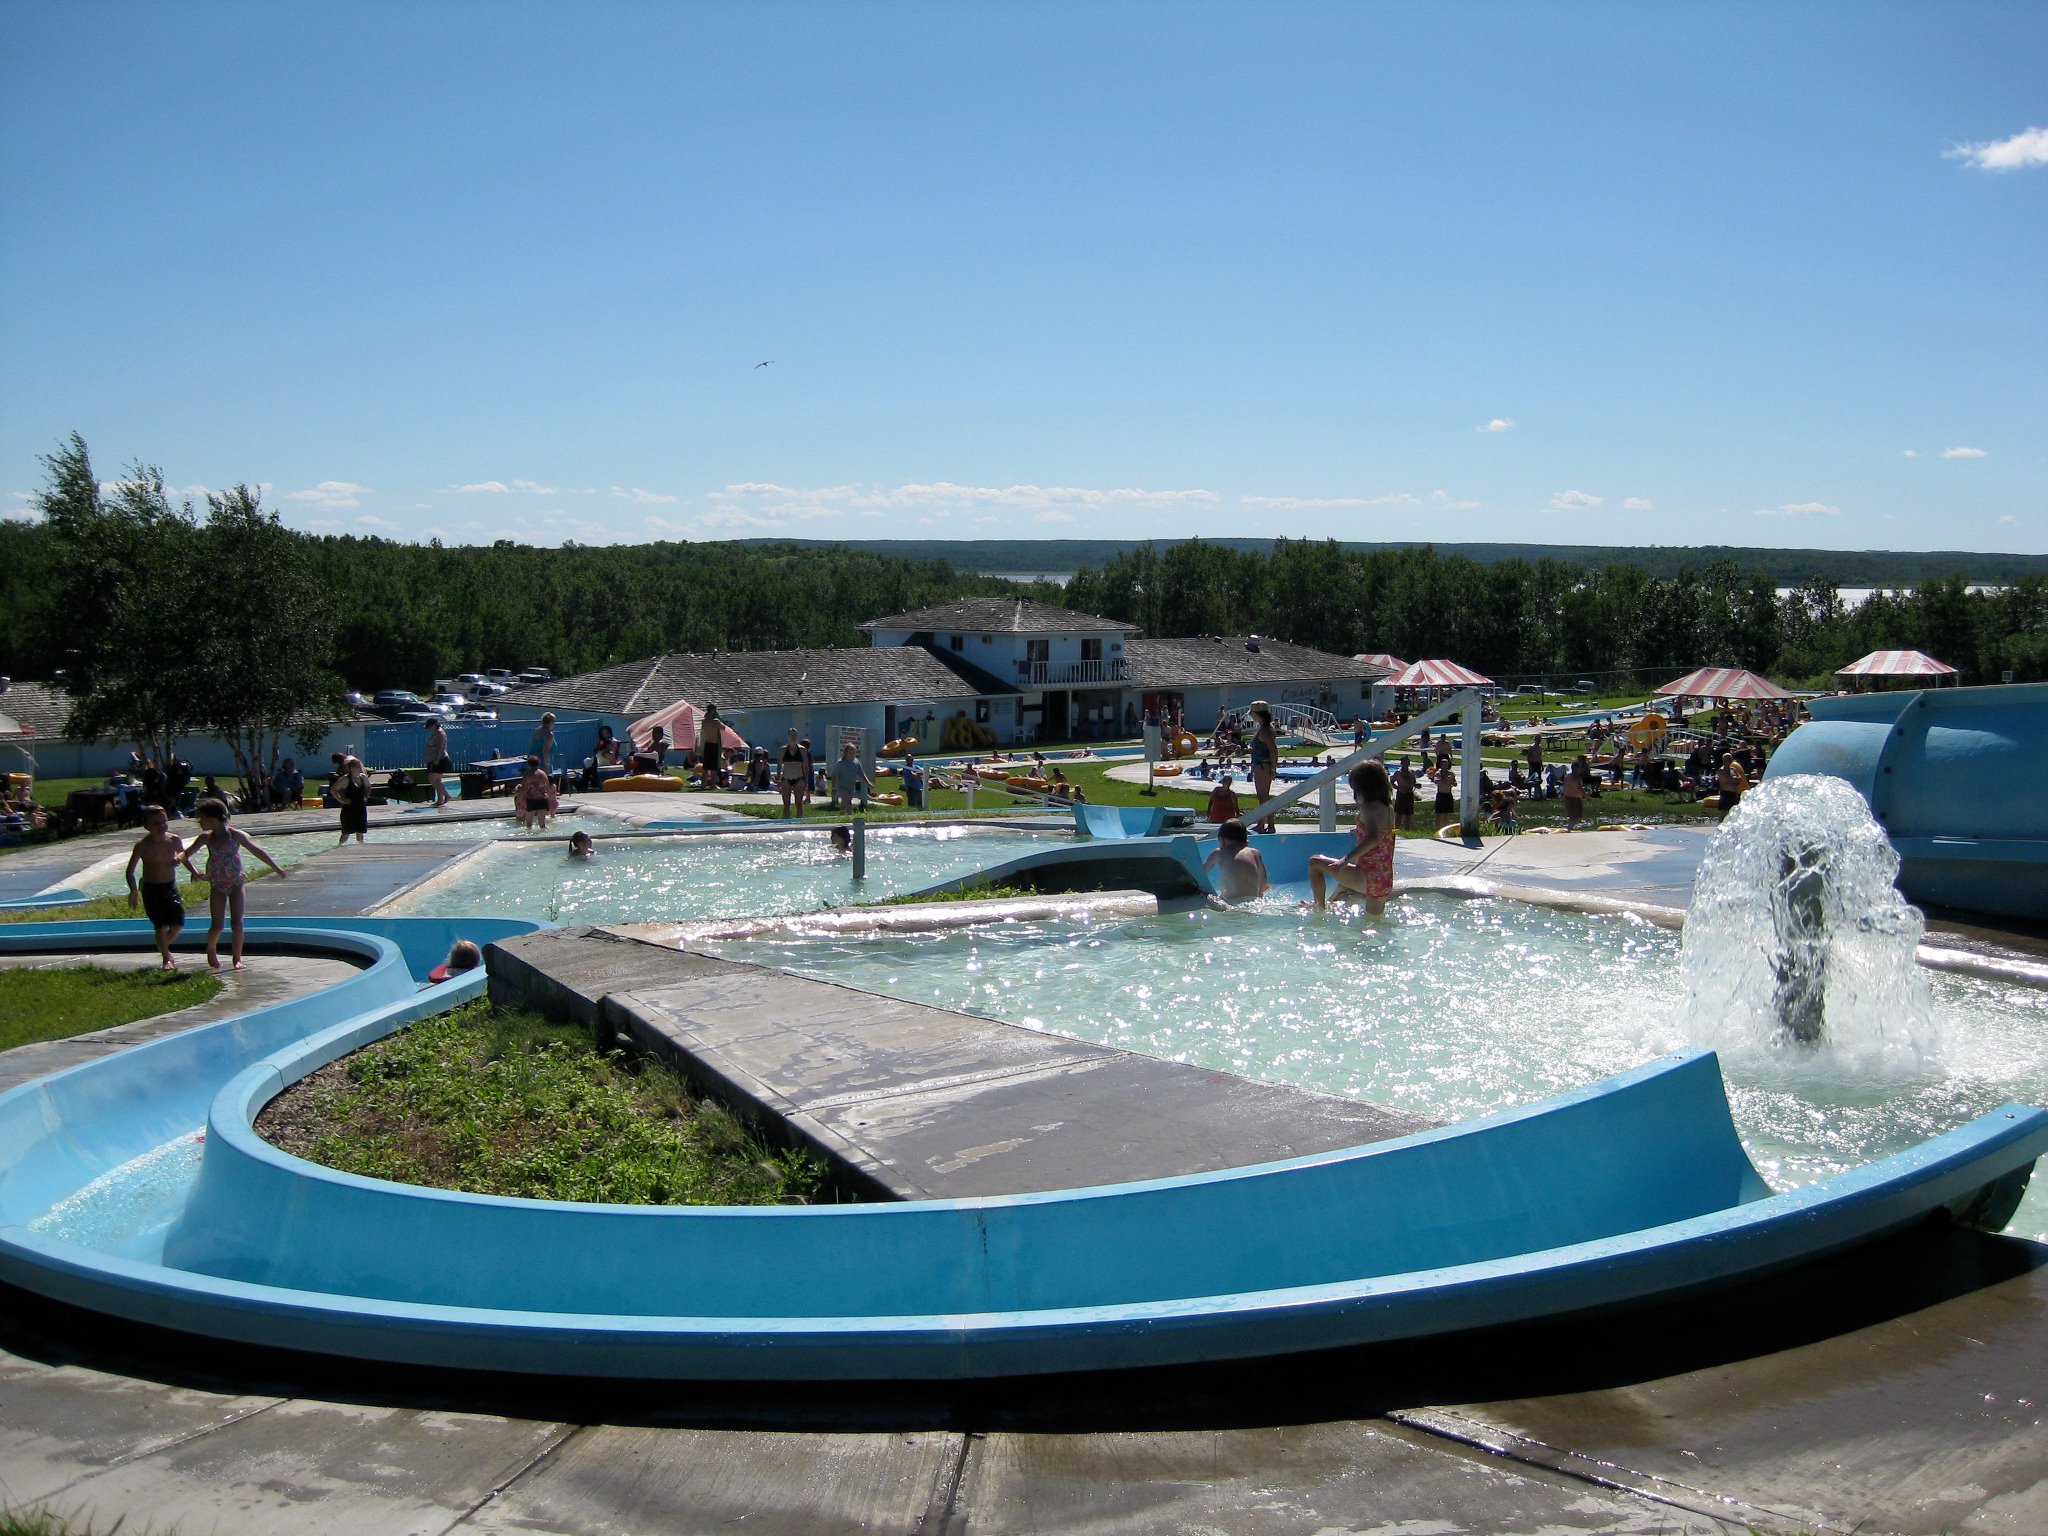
[
  {"x": 223, "y": 845},
  {"x": 580, "y": 845}
]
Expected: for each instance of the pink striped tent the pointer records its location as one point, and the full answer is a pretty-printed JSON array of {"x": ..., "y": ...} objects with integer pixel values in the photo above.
[
  {"x": 1722, "y": 683},
  {"x": 1439, "y": 674},
  {"x": 1381, "y": 659},
  {"x": 1903, "y": 664},
  {"x": 680, "y": 721}
]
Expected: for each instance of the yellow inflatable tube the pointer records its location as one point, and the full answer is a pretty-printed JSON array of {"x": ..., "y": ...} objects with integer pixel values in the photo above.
[{"x": 657, "y": 783}]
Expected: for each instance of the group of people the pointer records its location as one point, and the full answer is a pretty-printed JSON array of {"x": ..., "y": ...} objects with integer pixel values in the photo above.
[{"x": 157, "y": 856}]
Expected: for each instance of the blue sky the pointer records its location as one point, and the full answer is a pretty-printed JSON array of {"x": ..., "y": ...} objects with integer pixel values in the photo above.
[{"x": 1752, "y": 273}]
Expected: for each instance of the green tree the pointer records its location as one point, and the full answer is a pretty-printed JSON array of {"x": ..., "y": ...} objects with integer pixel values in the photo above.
[
  {"x": 265, "y": 636},
  {"x": 125, "y": 564}
]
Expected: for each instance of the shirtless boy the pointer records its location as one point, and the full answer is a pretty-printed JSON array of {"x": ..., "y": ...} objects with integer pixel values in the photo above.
[
  {"x": 1239, "y": 872},
  {"x": 158, "y": 853}
]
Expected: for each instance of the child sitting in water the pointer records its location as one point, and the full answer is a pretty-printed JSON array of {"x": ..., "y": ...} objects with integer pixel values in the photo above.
[
  {"x": 1235, "y": 866},
  {"x": 842, "y": 841},
  {"x": 580, "y": 845},
  {"x": 463, "y": 955}
]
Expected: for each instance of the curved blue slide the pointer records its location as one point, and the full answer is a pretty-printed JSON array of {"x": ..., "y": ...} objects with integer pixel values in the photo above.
[{"x": 1630, "y": 1189}]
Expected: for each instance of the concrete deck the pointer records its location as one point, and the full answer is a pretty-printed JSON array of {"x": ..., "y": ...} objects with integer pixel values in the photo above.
[
  {"x": 910, "y": 1102},
  {"x": 1894, "y": 1389}
]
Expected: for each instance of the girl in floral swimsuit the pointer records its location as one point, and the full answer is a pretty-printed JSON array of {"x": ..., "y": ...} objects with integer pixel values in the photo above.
[
  {"x": 1368, "y": 869},
  {"x": 223, "y": 845}
]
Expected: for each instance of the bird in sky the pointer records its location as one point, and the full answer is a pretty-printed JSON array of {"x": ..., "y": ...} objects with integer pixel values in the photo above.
[{"x": 764, "y": 365}]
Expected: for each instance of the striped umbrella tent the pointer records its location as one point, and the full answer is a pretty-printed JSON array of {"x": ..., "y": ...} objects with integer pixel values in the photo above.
[
  {"x": 679, "y": 720},
  {"x": 1722, "y": 683},
  {"x": 1439, "y": 674},
  {"x": 1381, "y": 659},
  {"x": 1918, "y": 667}
]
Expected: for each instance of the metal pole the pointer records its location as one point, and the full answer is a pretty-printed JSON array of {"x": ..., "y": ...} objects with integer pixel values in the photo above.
[
  {"x": 860, "y": 849},
  {"x": 1468, "y": 788}
]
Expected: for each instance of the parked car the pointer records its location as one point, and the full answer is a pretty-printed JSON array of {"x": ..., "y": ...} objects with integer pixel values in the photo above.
[
  {"x": 534, "y": 675},
  {"x": 504, "y": 677},
  {"x": 355, "y": 698},
  {"x": 469, "y": 680},
  {"x": 416, "y": 714},
  {"x": 488, "y": 690},
  {"x": 450, "y": 700},
  {"x": 393, "y": 702},
  {"x": 476, "y": 712},
  {"x": 1585, "y": 685}
]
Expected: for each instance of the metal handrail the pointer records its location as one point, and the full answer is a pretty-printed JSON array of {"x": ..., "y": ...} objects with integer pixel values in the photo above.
[{"x": 1465, "y": 702}]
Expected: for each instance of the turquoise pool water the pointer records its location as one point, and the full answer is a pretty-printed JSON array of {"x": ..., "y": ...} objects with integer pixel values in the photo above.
[
  {"x": 110, "y": 877},
  {"x": 733, "y": 874},
  {"x": 1448, "y": 1007}
]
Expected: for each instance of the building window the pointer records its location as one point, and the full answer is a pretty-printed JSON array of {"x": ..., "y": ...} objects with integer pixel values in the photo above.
[
  {"x": 1091, "y": 650},
  {"x": 959, "y": 642},
  {"x": 988, "y": 640},
  {"x": 981, "y": 711}
]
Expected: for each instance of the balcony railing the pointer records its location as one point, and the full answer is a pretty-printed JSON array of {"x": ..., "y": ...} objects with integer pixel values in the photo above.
[{"x": 1060, "y": 674}]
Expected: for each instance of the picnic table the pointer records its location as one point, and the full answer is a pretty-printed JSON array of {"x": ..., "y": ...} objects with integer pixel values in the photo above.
[{"x": 496, "y": 773}]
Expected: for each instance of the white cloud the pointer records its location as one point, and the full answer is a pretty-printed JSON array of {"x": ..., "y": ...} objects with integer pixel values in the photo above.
[
  {"x": 1800, "y": 509},
  {"x": 332, "y": 495},
  {"x": 1962, "y": 453},
  {"x": 532, "y": 489},
  {"x": 1445, "y": 504},
  {"x": 1045, "y": 517},
  {"x": 2027, "y": 147},
  {"x": 1498, "y": 424},
  {"x": 1638, "y": 504},
  {"x": 782, "y": 503},
  {"x": 641, "y": 498},
  {"x": 1912, "y": 453},
  {"x": 484, "y": 488},
  {"x": 1573, "y": 501},
  {"x": 660, "y": 525},
  {"x": 382, "y": 524},
  {"x": 188, "y": 490},
  {"x": 2008, "y": 518},
  {"x": 1327, "y": 503}
]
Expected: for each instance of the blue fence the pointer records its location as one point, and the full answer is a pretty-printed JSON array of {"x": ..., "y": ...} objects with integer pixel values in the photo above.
[{"x": 403, "y": 743}]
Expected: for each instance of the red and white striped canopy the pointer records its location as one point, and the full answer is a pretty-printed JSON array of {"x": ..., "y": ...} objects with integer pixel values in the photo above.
[
  {"x": 679, "y": 720},
  {"x": 1438, "y": 674},
  {"x": 1897, "y": 664},
  {"x": 1722, "y": 683},
  {"x": 1380, "y": 659}
]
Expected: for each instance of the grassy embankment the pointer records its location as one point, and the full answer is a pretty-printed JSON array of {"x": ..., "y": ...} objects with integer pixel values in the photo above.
[
  {"x": 499, "y": 1103},
  {"x": 43, "y": 1004}
]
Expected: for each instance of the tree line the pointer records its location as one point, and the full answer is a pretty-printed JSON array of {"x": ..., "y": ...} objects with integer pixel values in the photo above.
[
  {"x": 1518, "y": 619},
  {"x": 164, "y": 618}
]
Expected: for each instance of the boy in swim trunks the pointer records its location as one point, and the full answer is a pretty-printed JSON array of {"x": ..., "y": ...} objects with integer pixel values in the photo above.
[
  {"x": 158, "y": 853},
  {"x": 1235, "y": 866}
]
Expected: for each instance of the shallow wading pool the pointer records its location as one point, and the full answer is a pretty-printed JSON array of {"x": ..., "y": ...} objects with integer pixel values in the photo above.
[
  {"x": 1450, "y": 1007},
  {"x": 726, "y": 874}
]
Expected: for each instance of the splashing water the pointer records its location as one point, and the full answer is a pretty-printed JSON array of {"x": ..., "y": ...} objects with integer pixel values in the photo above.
[{"x": 1799, "y": 950}]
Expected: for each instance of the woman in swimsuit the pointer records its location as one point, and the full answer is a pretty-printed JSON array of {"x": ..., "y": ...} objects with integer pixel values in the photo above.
[
  {"x": 792, "y": 770},
  {"x": 438, "y": 761},
  {"x": 1368, "y": 869},
  {"x": 352, "y": 793},
  {"x": 224, "y": 873},
  {"x": 1265, "y": 758}
]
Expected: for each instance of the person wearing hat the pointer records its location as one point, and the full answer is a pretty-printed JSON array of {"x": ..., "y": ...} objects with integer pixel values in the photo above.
[{"x": 1265, "y": 757}]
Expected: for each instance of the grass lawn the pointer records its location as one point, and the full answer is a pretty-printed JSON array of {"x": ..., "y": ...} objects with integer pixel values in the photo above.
[
  {"x": 498, "y": 1103},
  {"x": 39, "y": 1004}
]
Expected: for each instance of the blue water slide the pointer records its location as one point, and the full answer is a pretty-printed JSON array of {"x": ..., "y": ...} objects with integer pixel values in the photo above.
[
  {"x": 1954, "y": 777},
  {"x": 1626, "y": 1190}
]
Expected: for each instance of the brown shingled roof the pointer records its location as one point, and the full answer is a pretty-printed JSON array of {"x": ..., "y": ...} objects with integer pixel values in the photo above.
[
  {"x": 754, "y": 680},
  {"x": 1207, "y": 660},
  {"x": 1003, "y": 615}
]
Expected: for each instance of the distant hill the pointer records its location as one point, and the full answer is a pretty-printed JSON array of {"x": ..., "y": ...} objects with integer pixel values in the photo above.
[{"x": 1786, "y": 567}]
